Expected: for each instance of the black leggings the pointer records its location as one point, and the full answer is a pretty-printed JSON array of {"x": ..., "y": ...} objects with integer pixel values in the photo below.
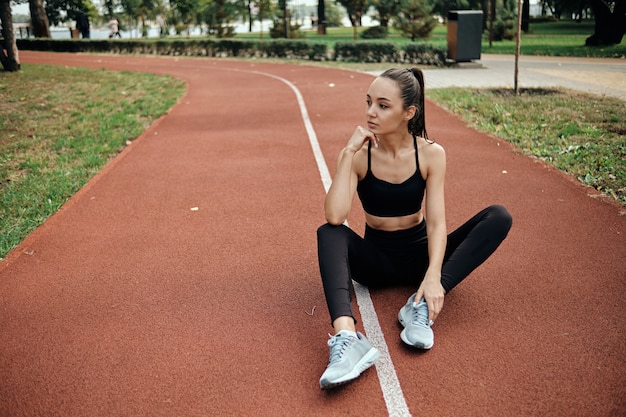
[{"x": 383, "y": 259}]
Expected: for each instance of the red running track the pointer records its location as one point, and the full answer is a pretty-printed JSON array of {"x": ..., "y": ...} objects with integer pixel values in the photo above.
[{"x": 128, "y": 303}]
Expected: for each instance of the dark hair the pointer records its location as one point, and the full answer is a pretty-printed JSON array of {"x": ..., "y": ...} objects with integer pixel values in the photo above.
[{"x": 411, "y": 83}]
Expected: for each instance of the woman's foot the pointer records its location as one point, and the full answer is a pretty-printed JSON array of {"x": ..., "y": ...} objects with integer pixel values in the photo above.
[
  {"x": 414, "y": 317},
  {"x": 350, "y": 354}
]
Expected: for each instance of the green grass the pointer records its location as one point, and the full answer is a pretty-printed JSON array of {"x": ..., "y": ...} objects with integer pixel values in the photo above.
[
  {"x": 59, "y": 127},
  {"x": 580, "y": 134},
  {"x": 563, "y": 38}
]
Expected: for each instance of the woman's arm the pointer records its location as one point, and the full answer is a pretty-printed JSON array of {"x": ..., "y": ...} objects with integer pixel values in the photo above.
[
  {"x": 341, "y": 193},
  {"x": 431, "y": 288}
]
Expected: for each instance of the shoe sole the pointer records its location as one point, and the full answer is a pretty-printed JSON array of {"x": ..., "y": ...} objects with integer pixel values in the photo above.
[
  {"x": 405, "y": 338},
  {"x": 366, "y": 361},
  {"x": 414, "y": 344}
]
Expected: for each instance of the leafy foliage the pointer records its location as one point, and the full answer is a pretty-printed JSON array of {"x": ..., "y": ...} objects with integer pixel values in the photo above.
[
  {"x": 356, "y": 10},
  {"x": 375, "y": 32},
  {"x": 415, "y": 19}
]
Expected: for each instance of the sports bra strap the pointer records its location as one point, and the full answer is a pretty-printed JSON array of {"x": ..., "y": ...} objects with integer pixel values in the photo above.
[
  {"x": 369, "y": 154},
  {"x": 417, "y": 159}
]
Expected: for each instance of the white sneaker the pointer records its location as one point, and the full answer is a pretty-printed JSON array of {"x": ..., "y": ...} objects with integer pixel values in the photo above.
[
  {"x": 349, "y": 357},
  {"x": 414, "y": 317}
]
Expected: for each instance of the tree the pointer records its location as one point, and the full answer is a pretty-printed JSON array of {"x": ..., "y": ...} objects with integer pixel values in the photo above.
[
  {"x": 321, "y": 17},
  {"x": 281, "y": 21},
  {"x": 610, "y": 22},
  {"x": 9, "y": 56},
  {"x": 219, "y": 15},
  {"x": 39, "y": 19},
  {"x": 558, "y": 8},
  {"x": 386, "y": 9},
  {"x": 334, "y": 15},
  {"x": 138, "y": 11},
  {"x": 58, "y": 11},
  {"x": 131, "y": 11},
  {"x": 415, "y": 19},
  {"x": 147, "y": 10},
  {"x": 109, "y": 7},
  {"x": 442, "y": 7},
  {"x": 356, "y": 9},
  {"x": 263, "y": 9},
  {"x": 184, "y": 10}
]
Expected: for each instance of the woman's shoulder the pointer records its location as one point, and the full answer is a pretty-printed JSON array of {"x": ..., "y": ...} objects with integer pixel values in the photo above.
[{"x": 430, "y": 148}]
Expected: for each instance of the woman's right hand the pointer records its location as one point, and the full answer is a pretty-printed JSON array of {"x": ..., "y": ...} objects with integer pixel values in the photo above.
[{"x": 360, "y": 137}]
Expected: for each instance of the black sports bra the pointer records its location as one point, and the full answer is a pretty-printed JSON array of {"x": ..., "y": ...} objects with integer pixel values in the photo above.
[{"x": 385, "y": 199}]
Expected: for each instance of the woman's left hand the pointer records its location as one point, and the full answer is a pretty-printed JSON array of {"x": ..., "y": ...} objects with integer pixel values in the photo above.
[{"x": 433, "y": 292}]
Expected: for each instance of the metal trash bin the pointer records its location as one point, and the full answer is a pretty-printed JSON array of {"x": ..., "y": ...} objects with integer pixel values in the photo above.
[{"x": 465, "y": 29}]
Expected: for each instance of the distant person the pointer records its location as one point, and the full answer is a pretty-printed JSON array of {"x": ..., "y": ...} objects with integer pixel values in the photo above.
[
  {"x": 398, "y": 174},
  {"x": 115, "y": 28},
  {"x": 82, "y": 24}
]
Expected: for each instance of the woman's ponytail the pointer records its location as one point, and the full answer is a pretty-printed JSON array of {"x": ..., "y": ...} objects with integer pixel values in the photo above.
[{"x": 417, "y": 125}]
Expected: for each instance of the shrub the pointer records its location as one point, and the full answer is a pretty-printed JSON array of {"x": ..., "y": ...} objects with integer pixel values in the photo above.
[
  {"x": 366, "y": 52},
  {"x": 285, "y": 48},
  {"x": 503, "y": 29},
  {"x": 425, "y": 54},
  {"x": 375, "y": 32}
]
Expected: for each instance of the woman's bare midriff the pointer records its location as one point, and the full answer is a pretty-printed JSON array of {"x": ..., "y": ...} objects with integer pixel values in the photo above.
[{"x": 392, "y": 224}]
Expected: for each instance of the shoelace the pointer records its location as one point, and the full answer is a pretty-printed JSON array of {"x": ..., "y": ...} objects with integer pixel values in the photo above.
[
  {"x": 338, "y": 345},
  {"x": 419, "y": 314}
]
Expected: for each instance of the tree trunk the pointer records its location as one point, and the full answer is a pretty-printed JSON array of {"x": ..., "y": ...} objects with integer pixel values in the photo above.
[
  {"x": 526, "y": 16},
  {"x": 9, "y": 56},
  {"x": 39, "y": 19},
  {"x": 250, "y": 18},
  {"x": 609, "y": 26},
  {"x": 321, "y": 17}
]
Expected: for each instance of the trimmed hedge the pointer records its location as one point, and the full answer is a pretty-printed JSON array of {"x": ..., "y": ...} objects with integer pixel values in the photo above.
[
  {"x": 425, "y": 54},
  {"x": 413, "y": 53},
  {"x": 366, "y": 52},
  {"x": 189, "y": 47}
]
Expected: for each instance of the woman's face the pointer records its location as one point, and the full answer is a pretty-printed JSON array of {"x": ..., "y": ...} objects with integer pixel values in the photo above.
[{"x": 385, "y": 109}]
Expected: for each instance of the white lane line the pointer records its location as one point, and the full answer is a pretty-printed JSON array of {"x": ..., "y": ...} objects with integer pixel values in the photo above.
[{"x": 387, "y": 377}]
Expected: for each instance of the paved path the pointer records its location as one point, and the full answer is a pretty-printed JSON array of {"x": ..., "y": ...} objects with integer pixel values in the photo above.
[
  {"x": 592, "y": 75},
  {"x": 183, "y": 280}
]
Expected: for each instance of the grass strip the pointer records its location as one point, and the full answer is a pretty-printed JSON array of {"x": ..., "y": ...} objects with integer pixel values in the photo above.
[
  {"x": 60, "y": 126},
  {"x": 581, "y": 134}
]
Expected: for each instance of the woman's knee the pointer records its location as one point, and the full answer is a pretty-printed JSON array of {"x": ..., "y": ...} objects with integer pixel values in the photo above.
[
  {"x": 500, "y": 217},
  {"x": 329, "y": 231}
]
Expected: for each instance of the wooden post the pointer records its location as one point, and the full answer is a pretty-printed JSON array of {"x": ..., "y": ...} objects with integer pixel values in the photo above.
[
  {"x": 490, "y": 4},
  {"x": 517, "y": 43}
]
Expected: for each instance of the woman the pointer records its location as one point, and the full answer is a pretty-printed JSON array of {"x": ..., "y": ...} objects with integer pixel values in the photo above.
[{"x": 391, "y": 164}]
